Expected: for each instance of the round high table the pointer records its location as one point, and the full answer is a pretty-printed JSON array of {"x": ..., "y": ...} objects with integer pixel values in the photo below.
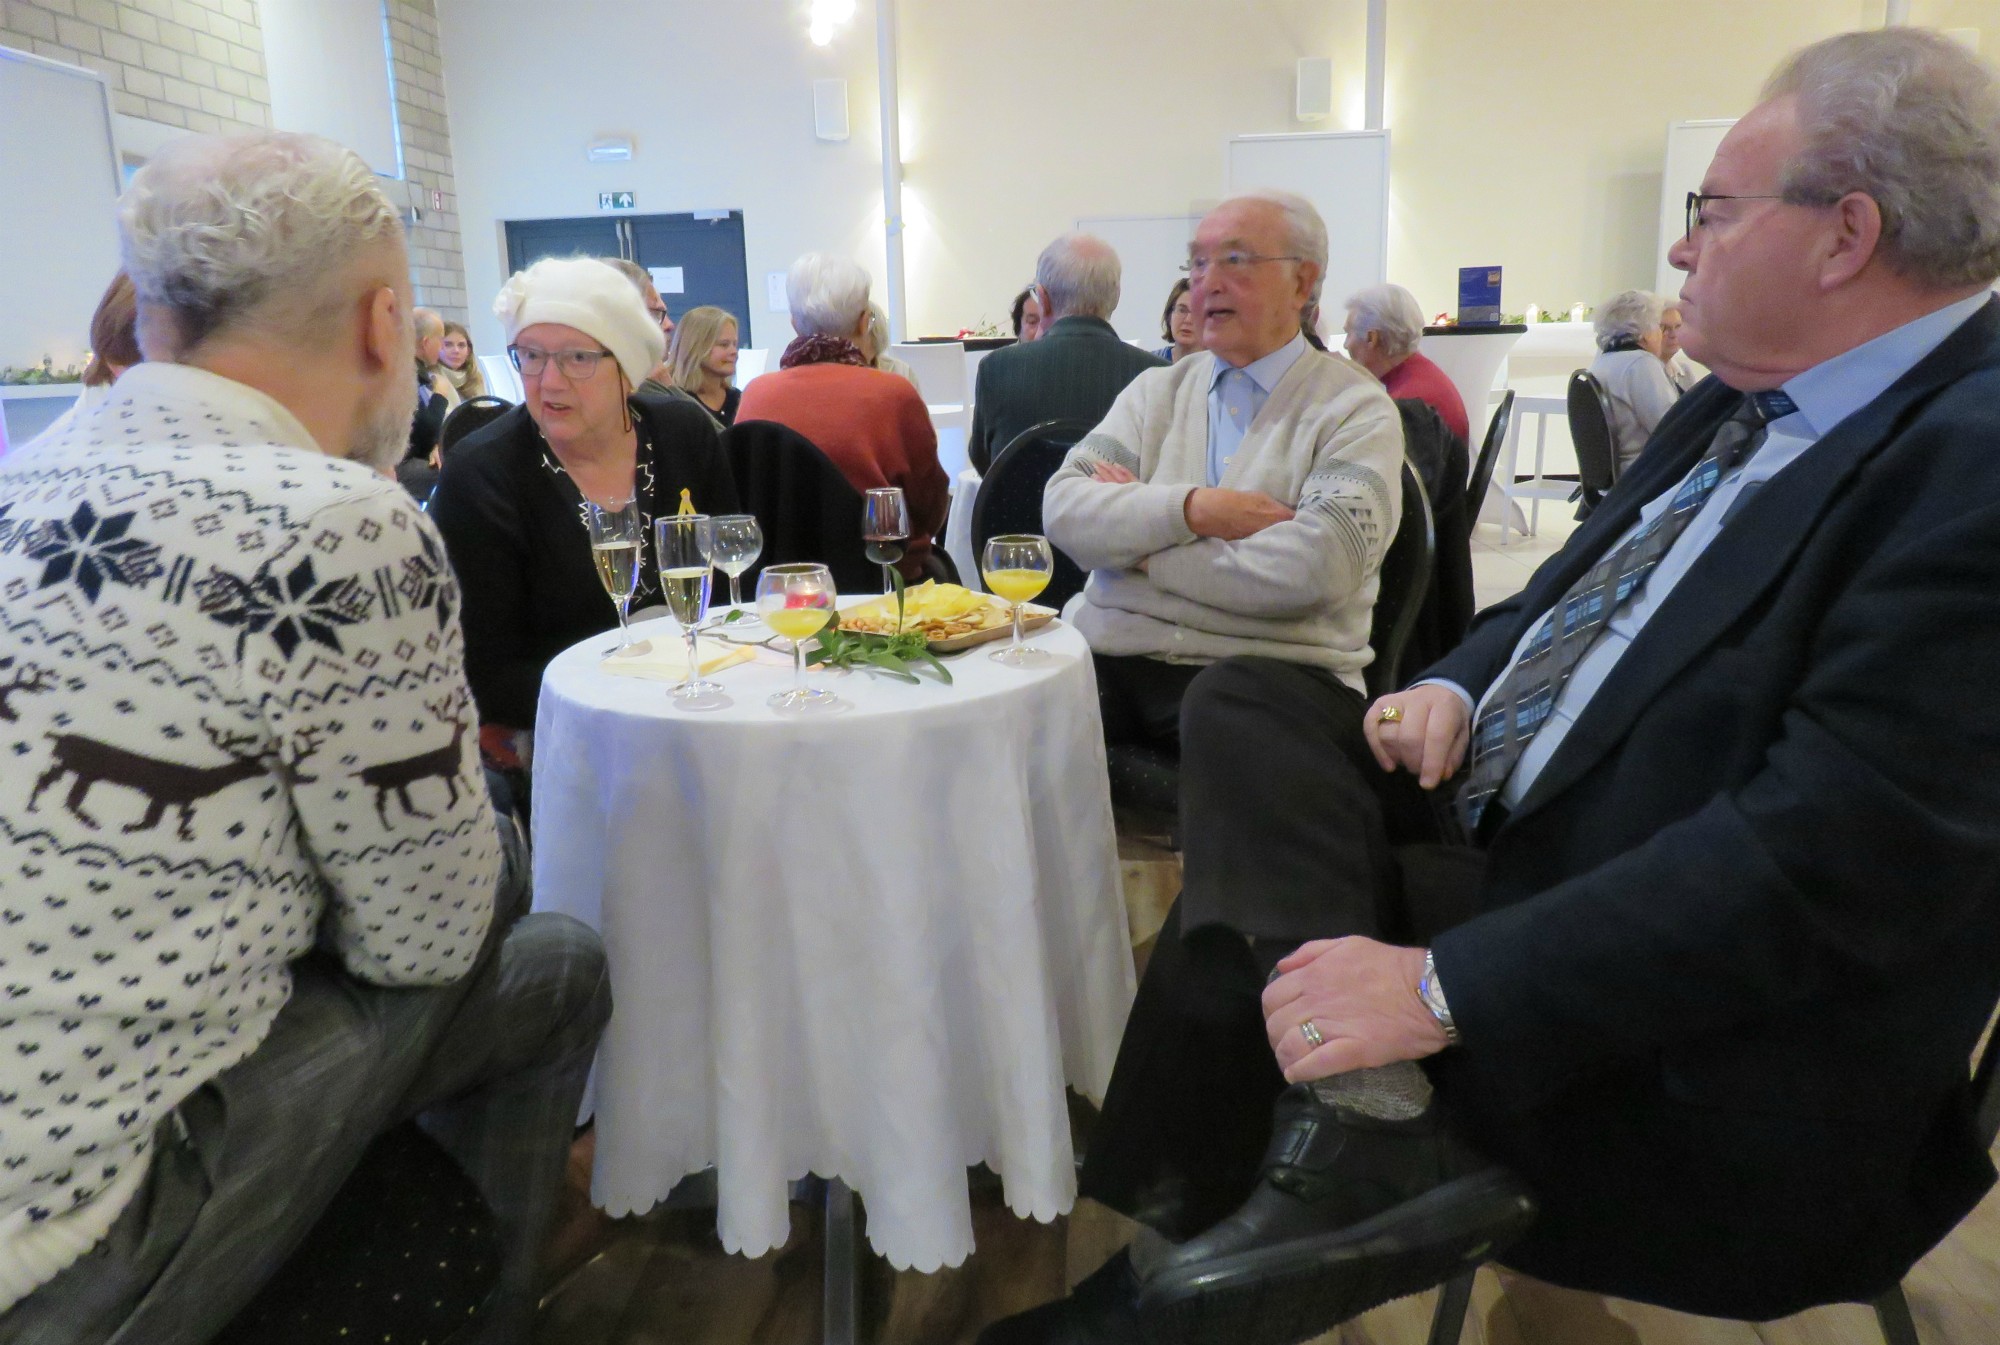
[{"x": 872, "y": 945}]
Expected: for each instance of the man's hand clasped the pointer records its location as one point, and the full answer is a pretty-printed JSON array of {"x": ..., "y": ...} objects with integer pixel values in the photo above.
[
  {"x": 1232, "y": 515},
  {"x": 1360, "y": 997},
  {"x": 1424, "y": 730}
]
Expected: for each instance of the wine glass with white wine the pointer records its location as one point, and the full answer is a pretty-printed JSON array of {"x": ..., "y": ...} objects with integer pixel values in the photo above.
[
  {"x": 685, "y": 542},
  {"x": 797, "y": 601},
  {"x": 885, "y": 526},
  {"x": 616, "y": 532},
  {"x": 739, "y": 540},
  {"x": 1016, "y": 567}
]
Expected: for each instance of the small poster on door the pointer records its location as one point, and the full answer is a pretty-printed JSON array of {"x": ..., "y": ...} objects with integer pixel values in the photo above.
[{"x": 667, "y": 279}]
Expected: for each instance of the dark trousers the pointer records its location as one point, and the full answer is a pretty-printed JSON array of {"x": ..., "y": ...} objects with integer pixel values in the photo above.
[
  {"x": 1287, "y": 825},
  {"x": 1139, "y": 699}
]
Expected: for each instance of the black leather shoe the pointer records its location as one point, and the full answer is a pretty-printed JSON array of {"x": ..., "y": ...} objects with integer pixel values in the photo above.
[
  {"x": 1348, "y": 1214},
  {"x": 1099, "y": 1311}
]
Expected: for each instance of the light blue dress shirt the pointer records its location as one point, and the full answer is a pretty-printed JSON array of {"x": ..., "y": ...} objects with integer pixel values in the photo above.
[
  {"x": 1825, "y": 395},
  {"x": 1235, "y": 396}
]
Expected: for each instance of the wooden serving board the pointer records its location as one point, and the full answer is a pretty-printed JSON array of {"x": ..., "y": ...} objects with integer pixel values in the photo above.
[{"x": 1032, "y": 618}]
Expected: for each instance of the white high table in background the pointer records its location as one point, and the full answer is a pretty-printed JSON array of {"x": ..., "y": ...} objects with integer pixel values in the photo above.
[{"x": 871, "y": 945}]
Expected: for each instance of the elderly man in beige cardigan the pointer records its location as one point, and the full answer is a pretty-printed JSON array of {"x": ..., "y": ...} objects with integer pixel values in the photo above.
[{"x": 1239, "y": 501}]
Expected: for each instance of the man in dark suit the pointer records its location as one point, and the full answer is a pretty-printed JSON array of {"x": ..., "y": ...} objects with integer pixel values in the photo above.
[
  {"x": 1729, "y": 764},
  {"x": 1077, "y": 367}
]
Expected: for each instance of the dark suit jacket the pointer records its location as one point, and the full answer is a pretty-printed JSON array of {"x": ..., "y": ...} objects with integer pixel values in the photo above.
[
  {"x": 1074, "y": 372},
  {"x": 1739, "y": 940}
]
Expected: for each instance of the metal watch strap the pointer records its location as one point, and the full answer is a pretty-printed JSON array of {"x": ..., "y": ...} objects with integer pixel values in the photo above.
[{"x": 1432, "y": 995}]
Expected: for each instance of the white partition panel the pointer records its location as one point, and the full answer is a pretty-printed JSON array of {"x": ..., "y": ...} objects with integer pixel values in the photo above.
[
  {"x": 1690, "y": 146},
  {"x": 58, "y": 192},
  {"x": 1345, "y": 174},
  {"x": 1151, "y": 251}
]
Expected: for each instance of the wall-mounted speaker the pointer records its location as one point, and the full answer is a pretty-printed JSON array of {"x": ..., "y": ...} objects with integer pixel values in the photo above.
[
  {"x": 830, "y": 109},
  {"x": 1315, "y": 88}
]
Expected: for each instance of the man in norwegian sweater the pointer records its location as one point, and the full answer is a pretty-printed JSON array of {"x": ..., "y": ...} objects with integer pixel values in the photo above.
[{"x": 257, "y": 907}]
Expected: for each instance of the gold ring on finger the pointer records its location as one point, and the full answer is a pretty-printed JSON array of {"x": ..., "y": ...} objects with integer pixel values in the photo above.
[
  {"x": 1391, "y": 714},
  {"x": 1311, "y": 1034}
]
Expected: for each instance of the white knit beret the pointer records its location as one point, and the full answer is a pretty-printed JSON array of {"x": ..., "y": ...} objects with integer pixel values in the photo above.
[{"x": 584, "y": 293}]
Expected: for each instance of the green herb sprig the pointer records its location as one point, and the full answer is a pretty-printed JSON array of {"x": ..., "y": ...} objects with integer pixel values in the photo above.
[{"x": 901, "y": 656}]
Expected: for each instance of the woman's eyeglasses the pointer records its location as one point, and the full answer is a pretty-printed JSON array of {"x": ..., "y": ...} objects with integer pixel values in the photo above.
[{"x": 575, "y": 364}]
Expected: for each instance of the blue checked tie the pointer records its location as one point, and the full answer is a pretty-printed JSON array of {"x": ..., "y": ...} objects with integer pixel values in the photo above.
[{"x": 1520, "y": 705}]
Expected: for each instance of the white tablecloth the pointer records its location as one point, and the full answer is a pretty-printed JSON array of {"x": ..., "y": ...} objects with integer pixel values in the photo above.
[
  {"x": 958, "y": 529},
  {"x": 872, "y": 944}
]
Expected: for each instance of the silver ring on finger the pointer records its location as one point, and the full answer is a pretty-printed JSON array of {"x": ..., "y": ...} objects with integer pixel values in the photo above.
[{"x": 1311, "y": 1033}]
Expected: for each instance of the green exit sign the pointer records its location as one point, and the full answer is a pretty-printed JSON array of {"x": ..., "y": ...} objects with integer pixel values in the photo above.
[{"x": 614, "y": 200}]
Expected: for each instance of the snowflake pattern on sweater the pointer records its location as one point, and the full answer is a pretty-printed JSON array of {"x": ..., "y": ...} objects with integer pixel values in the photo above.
[{"x": 234, "y": 723}]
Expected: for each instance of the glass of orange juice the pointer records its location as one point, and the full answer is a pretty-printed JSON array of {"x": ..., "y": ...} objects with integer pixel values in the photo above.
[
  {"x": 1017, "y": 566},
  {"x": 797, "y": 601}
]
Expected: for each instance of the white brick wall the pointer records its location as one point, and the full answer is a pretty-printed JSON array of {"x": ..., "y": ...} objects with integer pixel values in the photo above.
[
  {"x": 192, "y": 63},
  {"x": 437, "y": 260},
  {"x": 199, "y": 64}
]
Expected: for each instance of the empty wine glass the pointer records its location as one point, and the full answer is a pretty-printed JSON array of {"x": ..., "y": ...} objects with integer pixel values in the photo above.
[
  {"x": 885, "y": 526},
  {"x": 1017, "y": 566},
  {"x": 685, "y": 541},
  {"x": 615, "y": 536},
  {"x": 739, "y": 540},
  {"x": 797, "y": 601}
]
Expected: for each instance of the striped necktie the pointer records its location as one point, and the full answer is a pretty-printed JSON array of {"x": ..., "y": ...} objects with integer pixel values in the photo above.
[{"x": 1528, "y": 691}]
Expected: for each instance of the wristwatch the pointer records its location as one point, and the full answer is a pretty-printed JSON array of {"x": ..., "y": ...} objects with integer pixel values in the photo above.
[{"x": 1432, "y": 994}]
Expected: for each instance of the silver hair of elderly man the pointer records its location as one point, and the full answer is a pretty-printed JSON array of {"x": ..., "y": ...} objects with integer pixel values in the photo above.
[
  {"x": 1912, "y": 119},
  {"x": 218, "y": 229},
  {"x": 1081, "y": 272},
  {"x": 1392, "y": 313},
  {"x": 827, "y": 294},
  {"x": 1305, "y": 231},
  {"x": 1627, "y": 314}
]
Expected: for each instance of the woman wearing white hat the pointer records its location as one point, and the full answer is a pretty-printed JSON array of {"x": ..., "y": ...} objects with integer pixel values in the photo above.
[{"x": 511, "y": 501}]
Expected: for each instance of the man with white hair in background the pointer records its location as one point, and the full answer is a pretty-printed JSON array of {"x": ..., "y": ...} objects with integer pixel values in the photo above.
[
  {"x": 257, "y": 906},
  {"x": 1384, "y": 328},
  {"x": 1075, "y": 369},
  {"x": 1728, "y": 933}
]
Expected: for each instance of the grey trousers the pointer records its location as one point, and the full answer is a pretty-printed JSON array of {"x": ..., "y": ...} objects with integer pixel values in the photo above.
[{"x": 494, "y": 1066}]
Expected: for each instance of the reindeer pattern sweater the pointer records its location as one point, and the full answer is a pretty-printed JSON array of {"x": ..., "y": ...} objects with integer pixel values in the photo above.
[{"x": 233, "y": 722}]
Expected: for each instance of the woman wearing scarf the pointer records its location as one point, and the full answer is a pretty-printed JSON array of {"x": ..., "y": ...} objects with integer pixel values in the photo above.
[
  {"x": 1628, "y": 334},
  {"x": 874, "y": 426},
  {"x": 457, "y": 363}
]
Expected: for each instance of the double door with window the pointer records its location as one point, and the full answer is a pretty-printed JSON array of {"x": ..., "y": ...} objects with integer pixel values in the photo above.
[{"x": 694, "y": 259}]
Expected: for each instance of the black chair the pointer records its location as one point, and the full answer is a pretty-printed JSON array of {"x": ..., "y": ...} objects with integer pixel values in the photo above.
[
  {"x": 473, "y": 414},
  {"x": 1590, "y": 431},
  {"x": 808, "y": 510},
  {"x": 407, "y": 1250},
  {"x": 1010, "y": 496},
  {"x": 1489, "y": 455},
  {"x": 1892, "y": 1309},
  {"x": 1405, "y": 586}
]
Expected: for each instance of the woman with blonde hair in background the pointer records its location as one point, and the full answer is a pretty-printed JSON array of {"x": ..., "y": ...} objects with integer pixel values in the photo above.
[
  {"x": 702, "y": 362},
  {"x": 458, "y": 364}
]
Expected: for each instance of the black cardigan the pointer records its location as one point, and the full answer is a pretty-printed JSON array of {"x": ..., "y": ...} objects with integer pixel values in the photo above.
[{"x": 513, "y": 526}]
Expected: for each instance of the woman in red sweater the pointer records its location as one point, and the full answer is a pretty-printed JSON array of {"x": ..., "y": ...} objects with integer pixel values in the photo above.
[
  {"x": 1384, "y": 326},
  {"x": 873, "y": 425}
]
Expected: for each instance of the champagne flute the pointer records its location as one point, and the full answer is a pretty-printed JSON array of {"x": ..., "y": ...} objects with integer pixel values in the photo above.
[
  {"x": 797, "y": 601},
  {"x": 739, "y": 540},
  {"x": 615, "y": 535},
  {"x": 685, "y": 541},
  {"x": 1016, "y": 567},
  {"x": 885, "y": 526}
]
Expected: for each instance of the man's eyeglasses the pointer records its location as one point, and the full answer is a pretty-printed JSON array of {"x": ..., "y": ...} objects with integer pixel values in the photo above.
[
  {"x": 576, "y": 365},
  {"x": 659, "y": 316},
  {"x": 1230, "y": 263},
  {"x": 1697, "y": 205}
]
